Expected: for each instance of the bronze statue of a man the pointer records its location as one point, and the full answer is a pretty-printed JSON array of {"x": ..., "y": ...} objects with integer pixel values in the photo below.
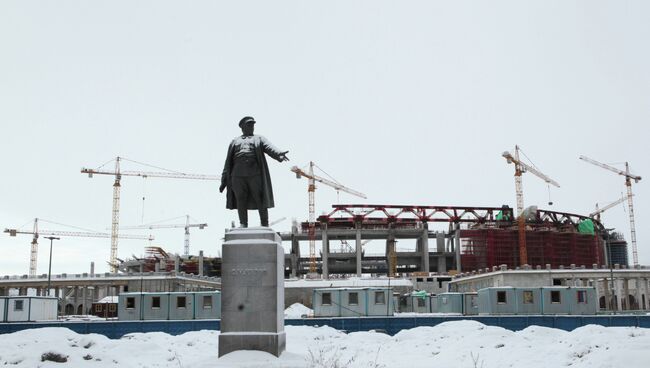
[{"x": 246, "y": 174}]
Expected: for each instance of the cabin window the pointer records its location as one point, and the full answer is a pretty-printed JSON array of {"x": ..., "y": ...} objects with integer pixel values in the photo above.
[
  {"x": 582, "y": 296},
  {"x": 155, "y": 302},
  {"x": 501, "y": 297},
  {"x": 207, "y": 301},
  {"x": 18, "y": 305},
  {"x": 528, "y": 297},
  {"x": 353, "y": 298},
  {"x": 444, "y": 300},
  {"x": 98, "y": 307},
  {"x": 112, "y": 307},
  {"x": 380, "y": 297},
  {"x": 130, "y": 303},
  {"x": 327, "y": 299},
  {"x": 421, "y": 302},
  {"x": 555, "y": 296},
  {"x": 181, "y": 302}
]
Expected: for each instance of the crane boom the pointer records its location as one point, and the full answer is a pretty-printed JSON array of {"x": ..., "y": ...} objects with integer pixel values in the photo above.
[
  {"x": 79, "y": 234},
  {"x": 337, "y": 186},
  {"x": 186, "y": 226},
  {"x": 625, "y": 173},
  {"x": 530, "y": 169},
  {"x": 163, "y": 226},
  {"x": 151, "y": 174},
  {"x": 603, "y": 209}
]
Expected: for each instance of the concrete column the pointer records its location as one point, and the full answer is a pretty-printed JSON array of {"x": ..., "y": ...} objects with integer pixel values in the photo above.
[
  {"x": 390, "y": 248},
  {"x": 626, "y": 292},
  {"x": 92, "y": 269},
  {"x": 295, "y": 250},
  {"x": 459, "y": 267},
  {"x": 177, "y": 263},
  {"x": 442, "y": 259},
  {"x": 424, "y": 243},
  {"x": 608, "y": 294},
  {"x": 617, "y": 292},
  {"x": 84, "y": 290},
  {"x": 358, "y": 246},
  {"x": 325, "y": 252},
  {"x": 75, "y": 299},
  {"x": 637, "y": 283},
  {"x": 200, "y": 263}
]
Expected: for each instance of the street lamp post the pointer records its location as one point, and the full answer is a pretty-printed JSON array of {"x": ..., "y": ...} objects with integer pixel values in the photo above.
[{"x": 49, "y": 270}]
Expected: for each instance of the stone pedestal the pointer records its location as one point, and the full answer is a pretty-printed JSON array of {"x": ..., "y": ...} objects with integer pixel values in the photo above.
[{"x": 252, "y": 292}]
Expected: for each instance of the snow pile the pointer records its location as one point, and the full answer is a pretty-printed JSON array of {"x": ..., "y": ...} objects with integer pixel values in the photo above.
[
  {"x": 450, "y": 344},
  {"x": 297, "y": 310}
]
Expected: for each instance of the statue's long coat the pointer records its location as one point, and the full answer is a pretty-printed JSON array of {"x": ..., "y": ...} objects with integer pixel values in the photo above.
[{"x": 262, "y": 146}]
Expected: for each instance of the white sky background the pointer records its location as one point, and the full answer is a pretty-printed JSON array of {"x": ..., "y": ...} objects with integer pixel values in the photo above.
[{"x": 409, "y": 102}]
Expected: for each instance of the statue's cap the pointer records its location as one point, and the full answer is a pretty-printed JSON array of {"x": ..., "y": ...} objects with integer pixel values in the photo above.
[{"x": 246, "y": 119}]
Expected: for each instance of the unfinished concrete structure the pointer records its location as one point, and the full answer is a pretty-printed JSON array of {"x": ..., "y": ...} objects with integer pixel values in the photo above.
[
  {"x": 477, "y": 237},
  {"x": 617, "y": 289}
]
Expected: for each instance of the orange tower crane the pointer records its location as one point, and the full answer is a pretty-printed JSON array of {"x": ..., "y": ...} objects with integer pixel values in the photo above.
[
  {"x": 117, "y": 173},
  {"x": 628, "y": 183},
  {"x": 186, "y": 226},
  {"x": 521, "y": 168},
  {"x": 311, "y": 188},
  {"x": 83, "y": 234}
]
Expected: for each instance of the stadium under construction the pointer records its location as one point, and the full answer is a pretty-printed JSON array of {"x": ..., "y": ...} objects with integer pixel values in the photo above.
[{"x": 477, "y": 238}]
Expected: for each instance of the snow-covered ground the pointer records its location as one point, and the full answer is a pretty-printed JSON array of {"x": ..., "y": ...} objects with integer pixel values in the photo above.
[
  {"x": 297, "y": 310},
  {"x": 450, "y": 344}
]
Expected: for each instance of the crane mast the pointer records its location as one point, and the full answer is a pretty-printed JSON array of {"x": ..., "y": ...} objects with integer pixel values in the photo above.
[
  {"x": 33, "y": 256},
  {"x": 115, "y": 218},
  {"x": 628, "y": 184}
]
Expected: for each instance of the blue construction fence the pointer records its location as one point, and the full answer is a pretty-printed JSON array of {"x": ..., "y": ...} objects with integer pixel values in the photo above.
[{"x": 389, "y": 325}]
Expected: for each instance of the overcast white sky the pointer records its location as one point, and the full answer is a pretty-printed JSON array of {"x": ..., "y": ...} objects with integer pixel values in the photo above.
[{"x": 410, "y": 102}]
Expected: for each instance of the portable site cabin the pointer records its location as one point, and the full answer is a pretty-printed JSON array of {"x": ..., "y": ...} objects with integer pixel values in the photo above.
[
  {"x": 353, "y": 302},
  {"x": 510, "y": 300},
  {"x": 569, "y": 300},
  {"x": 106, "y": 307},
  {"x": 28, "y": 308},
  {"x": 470, "y": 303},
  {"x": 545, "y": 300},
  {"x": 170, "y": 305},
  {"x": 418, "y": 302},
  {"x": 450, "y": 303}
]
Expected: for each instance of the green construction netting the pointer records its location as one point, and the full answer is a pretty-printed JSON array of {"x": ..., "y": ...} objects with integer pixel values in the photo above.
[
  {"x": 586, "y": 227},
  {"x": 503, "y": 217},
  {"x": 422, "y": 294}
]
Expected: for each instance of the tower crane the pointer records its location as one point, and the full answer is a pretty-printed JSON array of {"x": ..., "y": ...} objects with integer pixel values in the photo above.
[
  {"x": 521, "y": 168},
  {"x": 628, "y": 183},
  {"x": 598, "y": 211},
  {"x": 117, "y": 173},
  {"x": 311, "y": 188},
  {"x": 186, "y": 226},
  {"x": 83, "y": 234}
]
